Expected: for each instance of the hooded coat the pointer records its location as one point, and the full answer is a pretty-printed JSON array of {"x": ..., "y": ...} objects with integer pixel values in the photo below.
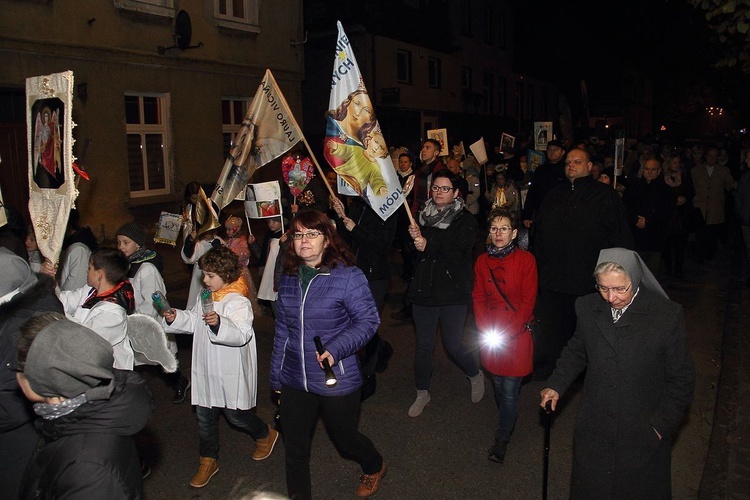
[{"x": 90, "y": 453}]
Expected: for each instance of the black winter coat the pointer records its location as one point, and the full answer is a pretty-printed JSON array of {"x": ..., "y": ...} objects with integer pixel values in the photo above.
[
  {"x": 90, "y": 453},
  {"x": 653, "y": 201},
  {"x": 576, "y": 221},
  {"x": 370, "y": 240},
  {"x": 444, "y": 273},
  {"x": 639, "y": 378}
]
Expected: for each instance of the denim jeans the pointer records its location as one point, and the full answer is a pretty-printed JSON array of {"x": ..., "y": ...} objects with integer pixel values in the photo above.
[
  {"x": 506, "y": 390},
  {"x": 451, "y": 319},
  {"x": 299, "y": 414},
  {"x": 208, "y": 427}
]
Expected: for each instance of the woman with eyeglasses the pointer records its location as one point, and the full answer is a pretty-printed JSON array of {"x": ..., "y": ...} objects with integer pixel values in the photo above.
[
  {"x": 440, "y": 290},
  {"x": 505, "y": 286},
  {"x": 322, "y": 294},
  {"x": 630, "y": 339}
]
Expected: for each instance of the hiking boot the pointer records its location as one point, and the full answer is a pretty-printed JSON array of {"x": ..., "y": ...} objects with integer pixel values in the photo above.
[
  {"x": 369, "y": 483},
  {"x": 264, "y": 446},
  {"x": 423, "y": 397},
  {"x": 208, "y": 467},
  {"x": 181, "y": 389},
  {"x": 477, "y": 387},
  {"x": 497, "y": 452}
]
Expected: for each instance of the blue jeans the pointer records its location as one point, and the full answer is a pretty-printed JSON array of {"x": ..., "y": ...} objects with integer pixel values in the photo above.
[
  {"x": 451, "y": 319},
  {"x": 208, "y": 427},
  {"x": 507, "y": 390}
]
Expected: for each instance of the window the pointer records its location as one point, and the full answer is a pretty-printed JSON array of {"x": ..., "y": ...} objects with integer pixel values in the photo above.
[
  {"x": 487, "y": 93},
  {"x": 502, "y": 31},
  {"x": 156, "y": 7},
  {"x": 403, "y": 66},
  {"x": 488, "y": 21},
  {"x": 543, "y": 103},
  {"x": 529, "y": 111},
  {"x": 233, "y": 111},
  {"x": 240, "y": 15},
  {"x": 433, "y": 72},
  {"x": 466, "y": 78},
  {"x": 466, "y": 17},
  {"x": 501, "y": 93},
  {"x": 146, "y": 118}
]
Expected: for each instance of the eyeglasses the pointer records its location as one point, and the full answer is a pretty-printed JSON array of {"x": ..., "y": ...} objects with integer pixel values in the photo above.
[
  {"x": 616, "y": 289},
  {"x": 501, "y": 229},
  {"x": 444, "y": 189},
  {"x": 310, "y": 235}
]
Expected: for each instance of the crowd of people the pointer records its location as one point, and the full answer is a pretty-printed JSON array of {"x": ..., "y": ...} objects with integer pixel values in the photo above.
[{"x": 558, "y": 267}]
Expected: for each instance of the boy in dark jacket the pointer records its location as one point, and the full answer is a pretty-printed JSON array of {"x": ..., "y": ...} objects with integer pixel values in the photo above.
[{"x": 88, "y": 412}]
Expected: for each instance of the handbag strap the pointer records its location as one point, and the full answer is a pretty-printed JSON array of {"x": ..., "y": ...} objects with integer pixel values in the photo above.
[{"x": 505, "y": 297}]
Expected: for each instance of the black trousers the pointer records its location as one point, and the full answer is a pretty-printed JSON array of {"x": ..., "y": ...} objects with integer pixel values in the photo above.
[
  {"x": 299, "y": 413},
  {"x": 557, "y": 317}
]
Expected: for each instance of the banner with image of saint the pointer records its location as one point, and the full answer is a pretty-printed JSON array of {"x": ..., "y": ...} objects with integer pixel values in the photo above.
[
  {"x": 263, "y": 200},
  {"x": 268, "y": 131},
  {"x": 354, "y": 145},
  {"x": 52, "y": 190}
]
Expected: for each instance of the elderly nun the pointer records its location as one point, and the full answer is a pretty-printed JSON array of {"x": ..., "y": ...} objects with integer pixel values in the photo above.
[{"x": 630, "y": 339}]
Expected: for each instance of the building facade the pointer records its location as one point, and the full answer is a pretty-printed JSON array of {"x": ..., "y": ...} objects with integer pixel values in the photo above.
[{"x": 160, "y": 88}]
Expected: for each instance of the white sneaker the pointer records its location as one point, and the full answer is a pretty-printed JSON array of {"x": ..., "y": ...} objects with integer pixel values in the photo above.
[
  {"x": 477, "y": 387},
  {"x": 423, "y": 397}
]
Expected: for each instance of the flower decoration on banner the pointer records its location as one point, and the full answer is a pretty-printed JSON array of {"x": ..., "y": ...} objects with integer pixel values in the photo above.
[
  {"x": 307, "y": 198},
  {"x": 297, "y": 171}
]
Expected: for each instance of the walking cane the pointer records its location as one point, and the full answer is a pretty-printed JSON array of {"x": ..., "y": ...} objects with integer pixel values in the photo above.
[{"x": 547, "y": 426}]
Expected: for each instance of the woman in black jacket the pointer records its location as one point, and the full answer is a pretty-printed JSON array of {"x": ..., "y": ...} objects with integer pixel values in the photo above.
[{"x": 440, "y": 291}]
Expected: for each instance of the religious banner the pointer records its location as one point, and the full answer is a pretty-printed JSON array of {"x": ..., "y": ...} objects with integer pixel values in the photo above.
[
  {"x": 263, "y": 200},
  {"x": 354, "y": 145},
  {"x": 542, "y": 135},
  {"x": 168, "y": 228},
  {"x": 440, "y": 135},
  {"x": 3, "y": 217},
  {"x": 52, "y": 189},
  {"x": 507, "y": 143},
  {"x": 268, "y": 131}
]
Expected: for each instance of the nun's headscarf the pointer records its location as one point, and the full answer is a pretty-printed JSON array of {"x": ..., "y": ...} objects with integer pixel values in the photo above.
[{"x": 637, "y": 270}]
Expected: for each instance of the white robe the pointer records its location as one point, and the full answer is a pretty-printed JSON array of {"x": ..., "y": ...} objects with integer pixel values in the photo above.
[
  {"x": 146, "y": 281},
  {"x": 225, "y": 365},
  {"x": 196, "y": 281},
  {"x": 107, "y": 319}
]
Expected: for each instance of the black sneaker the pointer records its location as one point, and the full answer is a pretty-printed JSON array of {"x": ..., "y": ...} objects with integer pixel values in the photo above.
[
  {"x": 384, "y": 355},
  {"x": 403, "y": 315},
  {"x": 180, "y": 390},
  {"x": 497, "y": 452}
]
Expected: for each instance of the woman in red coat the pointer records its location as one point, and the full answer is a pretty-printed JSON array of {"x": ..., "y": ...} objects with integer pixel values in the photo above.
[{"x": 505, "y": 286}]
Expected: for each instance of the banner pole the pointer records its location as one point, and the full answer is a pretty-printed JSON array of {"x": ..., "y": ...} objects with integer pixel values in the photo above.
[{"x": 317, "y": 165}]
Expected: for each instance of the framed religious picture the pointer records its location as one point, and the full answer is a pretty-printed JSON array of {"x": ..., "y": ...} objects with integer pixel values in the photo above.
[
  {"x": 542, "y": 135},
  {"x": 534, "y": 159},
  {"x": 507, "y": 143},
  {"x": 440, "y": 135}
]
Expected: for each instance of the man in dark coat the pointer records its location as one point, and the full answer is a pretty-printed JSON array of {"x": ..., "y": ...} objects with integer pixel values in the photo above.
[
  {"x": 546, "y": 177},
  {"x": 639, "y": 383},
  {"x": 22, "y": 295},
  {"x": 576, "y": 220}
]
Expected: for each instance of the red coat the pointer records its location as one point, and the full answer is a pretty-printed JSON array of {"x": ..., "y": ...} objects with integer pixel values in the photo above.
[{"x": 517, "y": 277}]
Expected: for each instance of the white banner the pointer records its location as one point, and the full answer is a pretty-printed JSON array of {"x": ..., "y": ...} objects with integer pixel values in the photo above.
[{"x": 354, "y": 145}]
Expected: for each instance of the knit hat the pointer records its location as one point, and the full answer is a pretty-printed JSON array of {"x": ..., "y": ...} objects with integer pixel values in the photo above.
[
  {"x": 67, "y": 359},
  {"x": 134, "y": 232},
  {"x": 17, "y": 276}
]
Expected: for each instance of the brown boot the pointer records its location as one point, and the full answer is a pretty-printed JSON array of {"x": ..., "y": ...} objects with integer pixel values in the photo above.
[
  {"x": 264, "y": 446},
  {"x": 206, "y": 471},
  {"x": 369, "y": 483}
]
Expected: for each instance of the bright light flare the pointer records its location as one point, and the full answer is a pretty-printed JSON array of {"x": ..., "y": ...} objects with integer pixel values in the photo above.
[{"x": 493, "y": 339}]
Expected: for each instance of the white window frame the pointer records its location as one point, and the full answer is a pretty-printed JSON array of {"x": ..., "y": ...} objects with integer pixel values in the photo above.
[
  {"x": 434, "y": 72},
  {"x": 407, "y": 59},
  {"x": 163, "y": 8},
  {"x": 250, "y": 22},
  {"x": 144, "y": 129},
  {"x": 235, "y": 122}
]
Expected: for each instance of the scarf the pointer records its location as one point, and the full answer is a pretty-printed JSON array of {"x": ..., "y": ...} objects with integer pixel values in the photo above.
[
  {"x": 431, "y": 216},
  {"x": 239, "y": 286},
  {"x": 673, "y": 179},
  {"x": 122, "y": 295},
  {"x": 139, "y": 257},
  {"x": 499, "y": 253},
  {"x": 53, "y": 411}
]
